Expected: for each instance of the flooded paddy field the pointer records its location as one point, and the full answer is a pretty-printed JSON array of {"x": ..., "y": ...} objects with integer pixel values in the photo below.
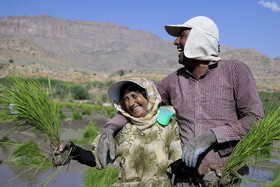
[{"x": 69, "y": 175}]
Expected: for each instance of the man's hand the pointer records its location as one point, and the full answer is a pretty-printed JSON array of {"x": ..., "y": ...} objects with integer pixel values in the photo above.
[
  {"x": 196, "y": 147},
  {"x": 105, "y": 144}
]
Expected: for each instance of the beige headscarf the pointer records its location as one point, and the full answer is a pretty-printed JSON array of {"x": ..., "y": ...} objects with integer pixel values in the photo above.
[{"x": 153, "y": 101}]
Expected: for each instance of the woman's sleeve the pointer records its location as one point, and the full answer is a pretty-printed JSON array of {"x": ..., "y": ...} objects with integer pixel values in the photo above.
[
  {"x": 83, "y": 156},
  {"x": 175, "y": 149}
]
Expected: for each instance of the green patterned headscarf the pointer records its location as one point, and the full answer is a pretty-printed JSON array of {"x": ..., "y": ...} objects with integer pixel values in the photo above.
[{"x": 153, "y": 101}]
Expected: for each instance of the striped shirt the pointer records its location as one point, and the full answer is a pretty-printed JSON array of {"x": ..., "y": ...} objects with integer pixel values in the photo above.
[{"x": 224, "y": 99}]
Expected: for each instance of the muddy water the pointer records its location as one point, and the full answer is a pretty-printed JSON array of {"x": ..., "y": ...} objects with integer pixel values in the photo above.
[
  {"x": 67, "y": 176},
  {"x": 71, "y": 176}
]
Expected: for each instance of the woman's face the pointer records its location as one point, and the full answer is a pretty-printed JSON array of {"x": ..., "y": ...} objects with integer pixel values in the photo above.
[{"x": 135, "y": 103}]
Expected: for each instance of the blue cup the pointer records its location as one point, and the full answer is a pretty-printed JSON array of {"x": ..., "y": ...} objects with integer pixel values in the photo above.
[{"x": 164, "y": 116}]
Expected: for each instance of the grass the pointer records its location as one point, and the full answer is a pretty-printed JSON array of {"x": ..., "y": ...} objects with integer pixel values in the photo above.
[
  {"x": 4, "y": 115},
  {"x": 76, "y": 116},
  {"x": 89, "y": 108},
  {"x": 35, "y": 106},
  {"x": 29, "y": 154},
  {"x": 90, "y": 133},
  {"x": 269, "y": 100},
  {"x": 85, "y": 110},
  {"x": 100, "y": 178},
  {"x": 250, "y": 149},
  {"x": 7, "y": 140}
]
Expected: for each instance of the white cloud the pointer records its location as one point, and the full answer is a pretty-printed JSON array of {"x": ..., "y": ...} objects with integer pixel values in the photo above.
[{"x": 271, "y": 5}]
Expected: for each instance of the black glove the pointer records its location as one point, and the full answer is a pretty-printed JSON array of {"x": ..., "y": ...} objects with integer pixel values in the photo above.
[
  {"x": 105, "y": 144},
  {"x": 196, "y": 147}
]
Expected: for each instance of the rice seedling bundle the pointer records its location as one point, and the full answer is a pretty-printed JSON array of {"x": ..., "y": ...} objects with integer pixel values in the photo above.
[
  {"x": 250, "y": 149},
  {"x": 33, "y": 106},
  {"x": 275, "y": 180},
  {"x": 29, "y": 154}
]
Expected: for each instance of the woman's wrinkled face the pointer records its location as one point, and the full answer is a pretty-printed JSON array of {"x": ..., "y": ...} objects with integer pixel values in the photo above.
[{"x": 135, "y": 103}]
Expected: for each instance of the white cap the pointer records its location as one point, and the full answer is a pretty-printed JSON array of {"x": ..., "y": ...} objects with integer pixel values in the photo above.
[
  {"x": 203, "y": 40},
  {"x": 202, "y": 23}
]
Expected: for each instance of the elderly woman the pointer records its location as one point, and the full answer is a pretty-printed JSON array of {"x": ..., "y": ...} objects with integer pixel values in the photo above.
[{"x": 145, "y": 148}]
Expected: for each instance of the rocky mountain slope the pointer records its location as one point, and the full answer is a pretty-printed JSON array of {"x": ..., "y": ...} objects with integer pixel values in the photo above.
[
  {"x": 59, "y": 45},
  {"x": 88, "y": 45}
]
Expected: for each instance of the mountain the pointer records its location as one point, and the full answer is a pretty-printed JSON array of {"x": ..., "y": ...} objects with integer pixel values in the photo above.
[
  {"x": 87, "y": 45},
  {"x": 95, "y": 47}
]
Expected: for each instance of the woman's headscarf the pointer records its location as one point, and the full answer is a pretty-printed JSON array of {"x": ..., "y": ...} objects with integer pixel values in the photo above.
[{"x": 153, "y": 98}]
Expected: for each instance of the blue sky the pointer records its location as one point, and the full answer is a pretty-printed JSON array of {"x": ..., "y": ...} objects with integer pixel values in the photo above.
[{"x": 242, "y": 23}]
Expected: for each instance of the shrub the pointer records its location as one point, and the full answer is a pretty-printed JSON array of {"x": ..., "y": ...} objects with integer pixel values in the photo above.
[
  {"x": 79, "y": 92},
  {"x": 120, "y": 72},
  {"x": 61, "y": 90}
]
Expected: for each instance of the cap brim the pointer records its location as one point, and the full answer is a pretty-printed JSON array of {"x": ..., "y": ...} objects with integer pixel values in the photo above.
[
  {"x": 175, "y": 30},
  {"x": 114, "y": 90}
]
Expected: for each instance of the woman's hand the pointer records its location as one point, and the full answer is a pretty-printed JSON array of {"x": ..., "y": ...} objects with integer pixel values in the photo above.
[
  {"x": 64, "y": 146},
  {"x": 62, "y": 154}
]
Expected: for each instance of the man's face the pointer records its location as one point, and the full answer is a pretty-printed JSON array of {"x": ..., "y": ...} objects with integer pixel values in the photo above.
[{"x": 180, "y": 43}]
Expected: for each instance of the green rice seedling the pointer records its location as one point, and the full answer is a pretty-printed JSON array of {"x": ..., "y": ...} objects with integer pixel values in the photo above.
[
  {"x": 62, "y": 116},
  {"x": 34, "y": 106},
  {"x": 110, "y": 110},
  {"x": 86, "y": 110},
  {"x": 30, "y": 155},
  {"x": 93, "y": 177},
  {"x": 250, "y": 149},
  {"x": 7, "y": 140},
  {"x": 90, "y": 133},
  {"x": 275, "y": 180},
  {"x": 76, "y": 114}
]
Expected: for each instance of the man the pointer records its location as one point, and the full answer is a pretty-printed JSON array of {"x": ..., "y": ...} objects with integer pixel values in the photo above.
[{"x": 216, "y": 103}]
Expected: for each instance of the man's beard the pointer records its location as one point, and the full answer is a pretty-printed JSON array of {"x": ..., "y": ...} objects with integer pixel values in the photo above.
[{"x": 183, "y": 60}]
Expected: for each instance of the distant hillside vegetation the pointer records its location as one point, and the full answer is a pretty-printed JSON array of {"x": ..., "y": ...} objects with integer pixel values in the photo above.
[{"x": 94, "y": 47}]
